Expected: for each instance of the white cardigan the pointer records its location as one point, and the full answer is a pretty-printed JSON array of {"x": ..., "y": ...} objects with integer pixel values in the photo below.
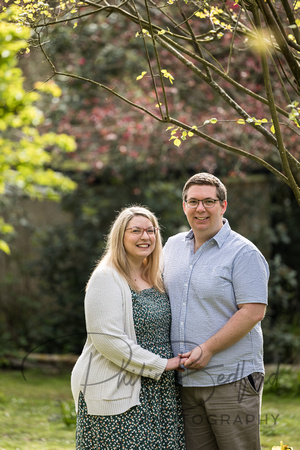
[{"x": 109, "y": 369}]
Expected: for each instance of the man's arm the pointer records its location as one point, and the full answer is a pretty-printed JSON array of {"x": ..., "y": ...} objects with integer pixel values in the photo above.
[{"x": 240, "y": 324}]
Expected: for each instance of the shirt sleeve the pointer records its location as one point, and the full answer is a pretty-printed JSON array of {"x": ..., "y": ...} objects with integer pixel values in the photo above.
[
  {"x": 105, "y": 310},
  {"x": 250, "y": 278}
]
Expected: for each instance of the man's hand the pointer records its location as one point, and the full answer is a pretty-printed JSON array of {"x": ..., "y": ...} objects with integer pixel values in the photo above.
[
  {"x": 198, "y": 358},
  {"x": 240, "y": 324}
]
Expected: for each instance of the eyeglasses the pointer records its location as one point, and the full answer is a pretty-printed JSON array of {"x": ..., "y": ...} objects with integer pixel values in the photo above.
[
  {"x": 137, "y": 231},
  {"x": 207, "y": 202}
]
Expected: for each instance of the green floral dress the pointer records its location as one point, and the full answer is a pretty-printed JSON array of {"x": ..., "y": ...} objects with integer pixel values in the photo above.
[{"x": 155, "y": 424}]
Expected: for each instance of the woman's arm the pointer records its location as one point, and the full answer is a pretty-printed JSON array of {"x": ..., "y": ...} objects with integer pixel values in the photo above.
[{"x": 105, "y": 322}]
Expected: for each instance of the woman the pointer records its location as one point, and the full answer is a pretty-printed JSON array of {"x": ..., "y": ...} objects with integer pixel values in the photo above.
[{"x": 123, "y": 383}]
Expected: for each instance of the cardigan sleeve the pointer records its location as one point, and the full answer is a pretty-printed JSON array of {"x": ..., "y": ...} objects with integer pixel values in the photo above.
[{"x": 108, "y": 326}]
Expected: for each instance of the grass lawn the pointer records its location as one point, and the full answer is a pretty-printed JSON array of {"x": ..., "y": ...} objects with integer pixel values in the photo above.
[
  {"x": 30, "y": 411},
  {"x": 31, "y": 415},
  {"x": 280, "y": 420}
]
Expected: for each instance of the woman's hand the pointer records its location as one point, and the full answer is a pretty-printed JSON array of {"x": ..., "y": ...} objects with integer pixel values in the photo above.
[{"x": 176, "y": 363}]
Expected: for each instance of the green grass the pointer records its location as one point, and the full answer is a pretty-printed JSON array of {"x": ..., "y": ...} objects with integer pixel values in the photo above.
[
  {"x": 30, "y": 411},
  {"x": 280, "y": 421},
  {"x": 31, "y": 415}
]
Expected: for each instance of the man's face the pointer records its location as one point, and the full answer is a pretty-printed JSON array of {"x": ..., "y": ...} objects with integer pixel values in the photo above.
[{"x": 205, "y": 222}]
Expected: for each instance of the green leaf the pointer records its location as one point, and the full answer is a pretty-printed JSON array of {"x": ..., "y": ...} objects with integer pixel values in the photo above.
[
  {"x": 293, "y": 105},
  {"x": 166, "y": 74},
  {"x": 50, "y": 88},
  {"x": 4, "y": 247},
  {"x": 141, "y": 76}
]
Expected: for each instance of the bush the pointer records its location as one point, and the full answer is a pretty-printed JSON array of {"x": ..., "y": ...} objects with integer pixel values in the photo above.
[{"x": 282, "y": 381}]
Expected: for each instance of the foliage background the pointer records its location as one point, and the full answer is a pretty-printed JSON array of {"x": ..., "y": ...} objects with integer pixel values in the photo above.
[{"x": 122, "y": 158}]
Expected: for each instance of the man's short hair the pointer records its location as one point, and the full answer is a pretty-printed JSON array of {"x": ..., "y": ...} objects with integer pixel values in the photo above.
[{"x": 205, "y": 179}]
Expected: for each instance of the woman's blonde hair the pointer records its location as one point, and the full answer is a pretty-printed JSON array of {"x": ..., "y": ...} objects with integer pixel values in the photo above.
[{"x": 115, "y": 254}]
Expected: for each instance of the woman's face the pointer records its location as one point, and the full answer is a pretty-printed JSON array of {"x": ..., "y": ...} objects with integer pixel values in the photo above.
[{"x": 139, "y": 238}]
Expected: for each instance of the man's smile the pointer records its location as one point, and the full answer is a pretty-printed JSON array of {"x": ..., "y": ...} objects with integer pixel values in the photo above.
[{"x": 201, "y": 218}]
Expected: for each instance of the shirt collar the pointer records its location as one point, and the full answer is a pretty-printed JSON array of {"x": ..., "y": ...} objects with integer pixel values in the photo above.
[{"x": 219, "y": 238}]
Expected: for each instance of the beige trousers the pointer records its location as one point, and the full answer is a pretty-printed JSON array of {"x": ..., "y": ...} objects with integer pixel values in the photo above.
[{"x": 224, "y": 417}]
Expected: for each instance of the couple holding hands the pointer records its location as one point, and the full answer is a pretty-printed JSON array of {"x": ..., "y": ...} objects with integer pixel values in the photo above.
[{"x": 174, "y": 356}]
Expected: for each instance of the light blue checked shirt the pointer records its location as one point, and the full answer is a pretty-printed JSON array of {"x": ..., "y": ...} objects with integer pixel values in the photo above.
[{"x": 205, "y": 289}]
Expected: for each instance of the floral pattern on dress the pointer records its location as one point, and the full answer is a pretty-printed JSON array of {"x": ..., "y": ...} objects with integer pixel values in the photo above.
[{"x": 157, "y": 423}]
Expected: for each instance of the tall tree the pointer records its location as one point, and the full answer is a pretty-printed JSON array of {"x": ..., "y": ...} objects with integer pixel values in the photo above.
[{"x": 193, "y": 40}]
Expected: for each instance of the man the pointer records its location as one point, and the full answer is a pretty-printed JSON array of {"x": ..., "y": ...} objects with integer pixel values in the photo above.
[{"x": 217, "y": 283}]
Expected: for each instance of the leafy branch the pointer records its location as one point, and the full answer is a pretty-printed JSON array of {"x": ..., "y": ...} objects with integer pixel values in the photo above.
[{"x": 256, "y": 27}]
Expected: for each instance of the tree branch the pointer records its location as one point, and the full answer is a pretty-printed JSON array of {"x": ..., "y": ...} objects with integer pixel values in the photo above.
[
  {"x": 282, "y": 151},
  {"x": 229, "y": 100},
  {"x": 231, "y": 149},
  {"x": 280, "y": 37}
]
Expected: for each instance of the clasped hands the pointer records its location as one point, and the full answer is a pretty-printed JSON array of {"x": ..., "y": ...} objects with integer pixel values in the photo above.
[{"x": 195, "y": 359}]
